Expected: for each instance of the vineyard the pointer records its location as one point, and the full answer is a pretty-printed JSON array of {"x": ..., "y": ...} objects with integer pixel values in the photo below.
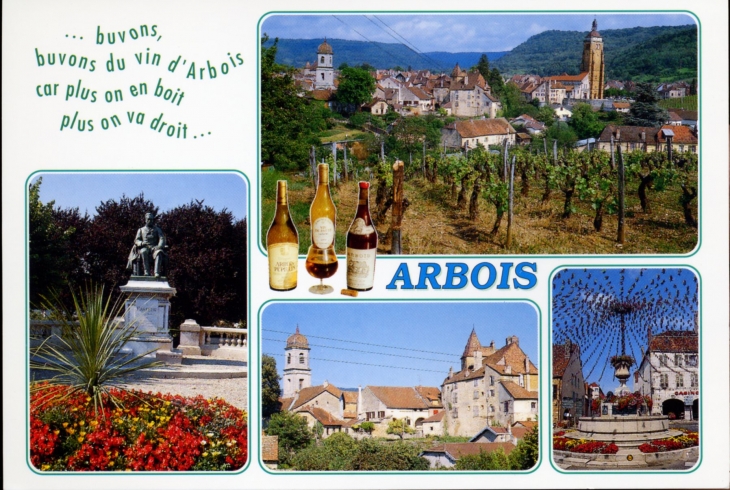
[{"x": 516, "y": 201}]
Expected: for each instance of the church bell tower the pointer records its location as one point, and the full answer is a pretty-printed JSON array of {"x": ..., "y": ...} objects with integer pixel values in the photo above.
[
  {"x": 297, "y": 373},
  {"x": 593, "y": 62}
]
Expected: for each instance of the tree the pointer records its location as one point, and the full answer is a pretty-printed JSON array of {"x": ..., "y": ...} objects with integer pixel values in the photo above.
[
  {"x": 270, "y": 389},
  {"x": 367, "y": 426},
  {"x": 374, "y": 455},
  {"x": 207, "y": 263},
  {"x": 482, "y": 66},
  {"x": 356, "y": 87},
  {"x": 490, "y": 461},
  {"x": 645, "y": 111},
  {"x": 293, "y": 433},
  {"x": 284, "y": 134},
  {"x": 399, "y": 427},
  {"x": 546, "y": 114},
  {"x": 585, "y": 122},
  {"x": 527, "y": 452},
  {"x": 48, "y": 260}
]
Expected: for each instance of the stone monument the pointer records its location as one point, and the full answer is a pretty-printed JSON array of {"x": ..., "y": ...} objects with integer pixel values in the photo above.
[{"x": 147, "y": 306}]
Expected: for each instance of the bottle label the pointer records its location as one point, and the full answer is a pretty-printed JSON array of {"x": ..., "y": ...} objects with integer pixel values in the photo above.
[
  {"x": 323, "y": 232},
  {"x": 358, "y": 227},
  {"x": 360, "y": 268},
  {"x": 283, "y": 259}
]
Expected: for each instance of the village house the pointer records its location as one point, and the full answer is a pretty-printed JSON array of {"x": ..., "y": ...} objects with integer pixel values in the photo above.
[
  {"x": 648, "y": 139},
  {"x": 550, "y": 92},
  {"x": 669, "y": 373},
  {"x": 433, "y": 425},
  {"x": 673, "y": 90},
  {"x": 568, "y": 383},
  {"x": 622, "y": 107},
  {"x": 470, "y": 95},
  {"x": 493, "y": 387},
  {"x": 689, "y": 118},
  {"x": 683, "y": 139},
  {"x": 381, "y": 404},
  {"x": 474, "y": 132},
  {"x": 446, "y": 455},
  {"x": 530, "y": 124},
  {"x": 577, "y": 87}
]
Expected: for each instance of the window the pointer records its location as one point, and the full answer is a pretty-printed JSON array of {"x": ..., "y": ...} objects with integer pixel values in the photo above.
[
  {"x": 381, "y": 414},
  {"x": 301, "y": 383},
  {"x": 555, "y": 392},
  {"x": 680, "y": 380},
  {"x": 691, "y": 360},
  {"x": 533, "y": 406},
  {"x": 491, "y": 381},
  {"x": 476, "y": 394},
  {"x": 663, "y": 359},
  {"x": 506, "y": 406},
  {"x": 693, "y": 380},
  {"x": 369, "y": 415},
  {"x": 301, "y": 358},
  {"x": 476, "y": 381},
  {"x": 455, "y": 414},
  {"x": 678, "y": 360},
  {"x": 681, "y": 148},
  {"x": 456, "y": 397},
  {"x": 322, "y": 75},
  {"x": 491, "y": 392},
  {"x": 693, "y": 149},
  {"x": 664, "y": 381},
  {"x": 522, "y": 381},
  {"x": 321, "y": 60},
  {"x": 475, "y": 411},
  {"x": 491, "y": 408},
  {"x": 288, "y": 358}
]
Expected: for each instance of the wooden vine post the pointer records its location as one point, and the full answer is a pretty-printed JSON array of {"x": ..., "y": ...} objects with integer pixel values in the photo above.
[
  {"x": 396, "y": 247},
  {"x": 334, "y": 163},
  {"x": 511, "y": 202},
  {"x": 346, "y": 176},
  {"x": 621, "y": 190}
]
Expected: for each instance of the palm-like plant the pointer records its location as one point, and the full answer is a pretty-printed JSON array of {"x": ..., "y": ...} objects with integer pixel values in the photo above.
[{"x": 88, "y": 355}]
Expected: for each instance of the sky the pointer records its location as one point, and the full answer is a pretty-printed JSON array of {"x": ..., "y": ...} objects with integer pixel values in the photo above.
[
  {"x": 168, "y": 190},
  {"x": 456, "y": 32},
  {"x": 667, "y": 308},
  {"x": 412, "y": 343}
]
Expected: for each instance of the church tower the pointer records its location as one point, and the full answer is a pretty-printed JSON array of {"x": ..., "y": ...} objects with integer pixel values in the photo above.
[
  {"x": 297, "y": 373},
  {"x": 593, "y": 62},
  {"x": 325, "y": 74}
]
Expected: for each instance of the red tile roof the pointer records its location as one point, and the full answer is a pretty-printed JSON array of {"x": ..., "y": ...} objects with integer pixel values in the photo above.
[
  {"x": 525, "y": 423},
  {"x": 568, "y": 78},
  {"x": 561, "y": 359},
  {"x": 431, "y": 394},
  {"x": 518, "y": 392},
  {"x": 399, "y": 397},
  {"x": 305, "y": 395},
  {"x": 322, "y": 416},
  {"x": 437, "y": 417},
  {"x": 674, "y": 341},
  {"x": 483, "y": 127},
  {"x": 510, "y": 355},
  {"x": 460, "y": 449},
  {"x": 630, "y": 134},
  {"x": 682, "y": 135}
]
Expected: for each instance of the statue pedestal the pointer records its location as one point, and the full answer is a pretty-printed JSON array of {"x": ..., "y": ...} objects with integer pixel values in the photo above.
[{"x": 147, "y": 309}]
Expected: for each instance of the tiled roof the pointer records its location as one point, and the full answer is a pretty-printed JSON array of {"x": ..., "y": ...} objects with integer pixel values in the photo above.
[
  {"x": 561, "y": 359},
  {"x": 472, "y": 344},
  {"x": 682, "y": 134},
  {"x": 430, "y": 394},
  {"x": 518, "y": 392},
  {"x": 460, "y": 449},
  {"x": 483, "y": 127},
  {"x": 398, "y": 396},
  {"x": 631, "y": 134},
  {"x": 465, "y": 375},
  {"x": 286, "y": 402},
  {"x": 510, "y": 355},
  {"x": 297, "y": 340},
  {"x": 519, "y": 432},
  {"x": 305, "y": 395},
  {"x": 621, "y": 105},
  {"x": 322, "y": 416},
  {"x": 688, "y": 115},
  {"x": 419, "y": 93},
  {"x": 525, "y": 423},
  {"x": 270, "y": 448},
  {"x": 568, "y": 78},
  {"x": 322, "y": 94},
  {"x": 349, "y": 414},
  {"x": 437, "y": 417},
  {"x": 350, "y": 396},
  {"x": 674, "y": 341}
]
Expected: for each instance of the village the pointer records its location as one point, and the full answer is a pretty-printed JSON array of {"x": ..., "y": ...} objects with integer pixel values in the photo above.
[{"x": 468, "y": 100}]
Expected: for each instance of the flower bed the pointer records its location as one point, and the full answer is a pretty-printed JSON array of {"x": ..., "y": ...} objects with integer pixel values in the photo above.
[
  {"x": 688, "y": 439},
  {"x": 140, "y": 432},
  {"x": 584, "y": 446}
]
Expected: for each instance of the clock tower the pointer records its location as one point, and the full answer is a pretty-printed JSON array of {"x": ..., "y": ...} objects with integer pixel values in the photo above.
[{"x": 593, "y": 62}]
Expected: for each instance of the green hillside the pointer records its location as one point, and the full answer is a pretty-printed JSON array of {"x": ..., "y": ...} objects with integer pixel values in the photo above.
[
  {"x": 297, "y": 52},
  {"x": 652, "y": 54}
]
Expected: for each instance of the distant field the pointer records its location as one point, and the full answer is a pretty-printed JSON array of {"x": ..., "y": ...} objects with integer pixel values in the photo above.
[{"x": 688, "y": 103}]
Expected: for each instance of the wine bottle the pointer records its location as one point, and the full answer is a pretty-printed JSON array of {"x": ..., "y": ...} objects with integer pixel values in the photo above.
[
  {"x": 321, "y": 258},
  {"x": 282, "y": 243},
  {"x": 362, "y": 245}
]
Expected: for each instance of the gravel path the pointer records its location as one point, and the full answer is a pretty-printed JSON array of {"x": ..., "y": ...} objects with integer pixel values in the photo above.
[{"x": 232, "y": 390}]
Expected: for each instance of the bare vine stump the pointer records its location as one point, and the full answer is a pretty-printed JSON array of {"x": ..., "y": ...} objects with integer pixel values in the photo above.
[{"x": 396, "y": 247}]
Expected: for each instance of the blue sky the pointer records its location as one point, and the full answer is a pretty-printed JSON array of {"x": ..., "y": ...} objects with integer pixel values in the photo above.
[
  {"x": 463, "y": 32},
  {"x": 425, "y": 337},
  {"x": 86, "y": 190},
  {"x": 665, "y": 307}
]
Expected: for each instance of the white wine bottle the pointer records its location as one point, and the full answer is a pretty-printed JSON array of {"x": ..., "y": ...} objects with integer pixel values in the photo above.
[
  {"x": 282, "y": 243},
  {"x": 362, "y": 245},
  {"x": 321, "y": 258}
]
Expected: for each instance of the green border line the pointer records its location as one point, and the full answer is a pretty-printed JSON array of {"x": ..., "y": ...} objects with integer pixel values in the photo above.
[
  {"x": 494, "y": 12},
  {"x": 247, "y": 184},
  {"x": 701, "y": 405},
  {"x": 408, "y": 473}
]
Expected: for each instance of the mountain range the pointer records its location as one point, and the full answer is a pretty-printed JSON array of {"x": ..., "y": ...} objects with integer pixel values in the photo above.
[{"x": 654, "y": 54}]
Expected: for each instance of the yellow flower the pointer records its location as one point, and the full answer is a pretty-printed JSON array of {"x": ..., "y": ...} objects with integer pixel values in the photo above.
[
  {"x": 94, "y": 423},
  {"x": 111, "y": 463},
  {"x": 167, "y": 403},
  {"x": 216, "y": 453},
  {"x": 71, "y": 431},
  {"x": 56, "y": 431},
  {"x": 205, "y": 454},
  {"x": 65, "y": 424},
  {"x": 45, "y": 467},
  {"x": 81, "y": 423},
  {"x": 82, "y": 433},
  {"x": 80, "y": 439}
]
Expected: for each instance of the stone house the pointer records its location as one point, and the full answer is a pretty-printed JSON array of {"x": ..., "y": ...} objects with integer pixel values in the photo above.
[
  {"x": 576, "y": 86},
  {"x": 488, "y": 381},
  {"x": 315, "y": 415},
  {"x": 669, "y": 373},
  {"x": 530, "y": 124},
  {"x": 433, "y": 425},
  {"x": 622, "y": 107},
  {"x": 549, "y": 92},
  {"x": 689, "y": 118},
  {"x": 683, "y": 139},
  {"x": 376, "y": 107},
  {"x": 568, "y": 383},
  {"x": 381, "y": 404},
  {"x": 470, "y": 96},
  {"x": 630, "y": 138},
  {"x": 477, "y": 131}
]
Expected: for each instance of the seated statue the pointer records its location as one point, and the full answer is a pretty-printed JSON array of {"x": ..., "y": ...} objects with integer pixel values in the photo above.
[{"x": 148, "y": 255}]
